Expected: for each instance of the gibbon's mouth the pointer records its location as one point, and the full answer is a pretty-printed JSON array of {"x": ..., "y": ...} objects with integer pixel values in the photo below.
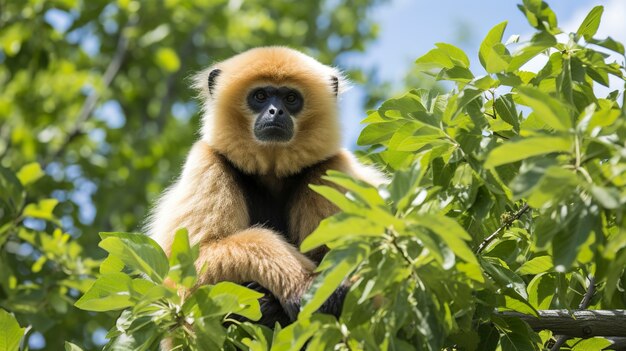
[{"x": 273, "y": 132}]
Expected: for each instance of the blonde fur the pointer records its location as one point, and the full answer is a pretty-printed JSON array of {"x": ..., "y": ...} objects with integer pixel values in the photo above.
[{"x": 207, "y": 199}]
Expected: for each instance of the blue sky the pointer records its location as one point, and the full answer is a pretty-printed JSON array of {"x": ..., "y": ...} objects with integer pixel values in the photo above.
[{"x": 410, "y": 28}]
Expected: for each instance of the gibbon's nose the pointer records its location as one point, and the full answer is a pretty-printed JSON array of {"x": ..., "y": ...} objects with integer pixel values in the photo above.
[{"x": 272, "y": 111}]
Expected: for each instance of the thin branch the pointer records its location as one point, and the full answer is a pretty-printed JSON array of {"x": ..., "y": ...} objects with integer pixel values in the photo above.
[
  {"x": 504, "y": 225},
  {"x": 90, "y": 103},
  {"x": 584, "y": 303},
  {"x": 184, "y": 52}
]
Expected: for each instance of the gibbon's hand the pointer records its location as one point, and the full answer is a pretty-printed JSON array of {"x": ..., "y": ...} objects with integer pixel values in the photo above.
[{"x": 273, "y": 311}]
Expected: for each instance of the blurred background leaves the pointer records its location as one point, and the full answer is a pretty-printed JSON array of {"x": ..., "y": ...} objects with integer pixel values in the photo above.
[{"x": 96, "y": 115}]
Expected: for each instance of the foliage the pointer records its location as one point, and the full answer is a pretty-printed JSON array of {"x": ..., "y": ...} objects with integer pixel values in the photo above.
[
  {"x": 505, "y": 194},
  {"x": 95, "y": 120}
]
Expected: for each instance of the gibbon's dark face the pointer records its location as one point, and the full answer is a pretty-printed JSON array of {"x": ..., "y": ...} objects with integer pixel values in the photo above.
[{"x": 275, "y": 108}]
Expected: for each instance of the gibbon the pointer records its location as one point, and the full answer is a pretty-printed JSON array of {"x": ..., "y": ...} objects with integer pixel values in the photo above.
[{"x": 269, "y": 129}]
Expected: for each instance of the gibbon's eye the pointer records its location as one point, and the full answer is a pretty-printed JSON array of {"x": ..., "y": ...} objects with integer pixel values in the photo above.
[
  {"x": 260, "y": 96},
  {"x": 291, "y": 98}
]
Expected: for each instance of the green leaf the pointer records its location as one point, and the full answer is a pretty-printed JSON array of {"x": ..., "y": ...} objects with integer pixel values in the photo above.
[
  {"x": 541, "y": 290},
  {"x": 590, "y": 24},
  {"x": 540, "y": 264},
  {"x": 12, "y": 195},
  {"x": 525, "y": 148},
  {"x": 592, "y": 344},
  {"x": 452, "y": 234},
  {"x": 516, "y": 335},
  {"x": 339, "y": 228},
  {"x": 137, "y": 251},
  {"x": 607, "y": 197},
  {"x": 493, "y": 54},
  {"x": 10, "y": 332},
  {"x": 72, "y": 347},
  {"x": 555, "y": 184},
  {"x": 209, "y": 334},
  {"x": 111, "y": 264},
  {"x": 540, "y": 15},
  {"x": 505, "y": 108},
  {"x": 365, "y": 192},
  {"x": 43, "y": 209},
  {"x": 404, "y": 186},
  {"x": 458, "y": 57},
  {"x": 337, "y": 265},
  {"x": 550, "y": 110},
  {"x": 182, "y": 259},
  {"x": 221, "y": 299},
  {"x": 167, "y": 59},
  {"x": 538, "y": 44},
  {"x": 608, "y": 43},
  {"x": 567, "y": 242},
  {"x": 435, "y": 58},
  {"x": 378, "y": 132},
  {"x": 109, "y": 292},
  {"x": 30, "y": 173}
]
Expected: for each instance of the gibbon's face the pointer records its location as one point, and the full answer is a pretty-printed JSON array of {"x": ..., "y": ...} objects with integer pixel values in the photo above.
[
  {"x": 275, "y": 109},
  {"x": 271, "y": 109}
]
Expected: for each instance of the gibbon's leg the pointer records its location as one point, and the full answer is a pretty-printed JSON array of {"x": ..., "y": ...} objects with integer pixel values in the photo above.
[{"x": 258, "y": 255}]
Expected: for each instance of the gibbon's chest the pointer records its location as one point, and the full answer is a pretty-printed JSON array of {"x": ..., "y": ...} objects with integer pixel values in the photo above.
[{"x": 270, "y": 199}]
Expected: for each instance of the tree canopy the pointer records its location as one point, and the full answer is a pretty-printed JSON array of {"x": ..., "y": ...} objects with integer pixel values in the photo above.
[{"x": 505, "y": 199}]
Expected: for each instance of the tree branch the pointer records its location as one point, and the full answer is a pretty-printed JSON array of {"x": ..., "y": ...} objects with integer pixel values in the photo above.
[
  {"x": 504, "y": 225},
  {"x": 577, "y": 323},
  {"x": 584, "y": 303},
  {"x": 90, "y": 102},
  {"x": 166, "y": 102}
]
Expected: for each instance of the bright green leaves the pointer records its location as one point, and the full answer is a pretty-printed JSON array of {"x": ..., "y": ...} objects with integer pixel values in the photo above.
[
  {"x": 10, "y": 332},
  {"x": 133, "y": 278},
  {"x": 539, "y": 43},
  {"x": 525, "y": 148},
  {"x": 182, "y": 259},
  {"x": 109, "y": 293},
  {"x": 380, "y": 238},
  {"x": 42, "y": 210},
  {"x": 540, "y": 15},
  {"x": 452, "y": 61},
  {"x": 167, "y": 59},
  {"x": 493, "y": 55},
  {"x": 463, "y": 162},
  {"x": 336, "y": 266},
  {"x": 138, "y": 252},
  {"x": 30, "y": 173},
  {"x": 590, "y": 24},
  {"x": 552, "y": 111}
]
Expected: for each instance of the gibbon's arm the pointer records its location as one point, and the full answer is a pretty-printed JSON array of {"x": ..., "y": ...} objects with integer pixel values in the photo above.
[{"x": 208, "y": 202}]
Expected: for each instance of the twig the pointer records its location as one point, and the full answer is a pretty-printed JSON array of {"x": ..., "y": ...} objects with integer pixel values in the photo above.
[
  {"x": 184, "y": 52},
  {"x": 584, "y": 303},
  {"x": 90, "y": 103},
  {"x": 504, "y": 225}
]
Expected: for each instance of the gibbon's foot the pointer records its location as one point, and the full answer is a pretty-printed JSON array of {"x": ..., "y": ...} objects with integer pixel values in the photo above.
[
  {"x": 334, "y": 304},
  {"x": 271, "y": 310}
]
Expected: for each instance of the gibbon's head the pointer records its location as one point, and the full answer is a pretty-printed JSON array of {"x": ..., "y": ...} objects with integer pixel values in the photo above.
[{"x": 271, "y": 110}]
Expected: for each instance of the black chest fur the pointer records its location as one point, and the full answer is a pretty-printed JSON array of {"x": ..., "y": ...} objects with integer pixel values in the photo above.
[{"x": 270, "y": 206}]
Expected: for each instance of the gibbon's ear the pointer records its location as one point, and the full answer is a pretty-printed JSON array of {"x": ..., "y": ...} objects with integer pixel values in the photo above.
[
  {"x": 335, "y": 84},
  {"x": 214, "y": 73}
]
